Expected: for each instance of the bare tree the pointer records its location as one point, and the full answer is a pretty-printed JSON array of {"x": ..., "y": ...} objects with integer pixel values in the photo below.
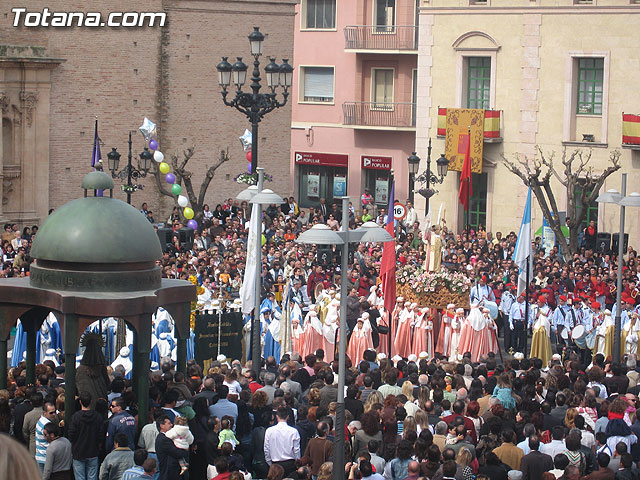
[
  {"x": 576, "y": 176},
  {"x": 183, "y": 178}
]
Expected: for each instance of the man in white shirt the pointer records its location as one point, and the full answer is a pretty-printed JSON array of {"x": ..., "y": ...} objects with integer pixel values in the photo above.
[
  {"x": 282, "y": 443},
  {"x": 556, "y": 445}
]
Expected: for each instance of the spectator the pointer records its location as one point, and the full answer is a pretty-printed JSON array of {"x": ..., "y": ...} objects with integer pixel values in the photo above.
[
  {"x": 85, "y": 435},
  {"x": 118, "y": 460},
  {"x": 59, "y": 458}
]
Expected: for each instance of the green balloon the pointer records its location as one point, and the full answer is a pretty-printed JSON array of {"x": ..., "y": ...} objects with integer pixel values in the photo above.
[{"x": 176, "y": 189}]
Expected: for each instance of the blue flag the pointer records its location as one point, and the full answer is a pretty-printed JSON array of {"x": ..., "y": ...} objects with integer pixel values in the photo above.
[{"x": 522, "y": 253}]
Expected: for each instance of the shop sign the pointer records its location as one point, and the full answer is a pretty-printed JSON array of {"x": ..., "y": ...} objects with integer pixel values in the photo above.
[
  {"x": 376, "y": 163},
  {"x": 328, "y": 159}
]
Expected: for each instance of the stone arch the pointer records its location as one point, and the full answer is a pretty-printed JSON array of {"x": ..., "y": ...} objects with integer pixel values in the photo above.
[{"x": 476, "y": 40}]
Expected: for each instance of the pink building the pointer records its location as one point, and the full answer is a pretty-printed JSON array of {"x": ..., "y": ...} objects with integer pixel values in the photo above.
[{"x": 353, "y": 98}]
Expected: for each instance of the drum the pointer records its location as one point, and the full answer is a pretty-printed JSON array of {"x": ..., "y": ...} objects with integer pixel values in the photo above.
[
  {"x": 565, "y": 333},
  {"x": 590, "y": 339},
  {"x": 493, "y": 309},
  {"x": 578, "y": 335}
]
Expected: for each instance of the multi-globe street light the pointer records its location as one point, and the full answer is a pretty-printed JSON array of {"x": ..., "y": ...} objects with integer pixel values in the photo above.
[{"x": 323, "y": 235}]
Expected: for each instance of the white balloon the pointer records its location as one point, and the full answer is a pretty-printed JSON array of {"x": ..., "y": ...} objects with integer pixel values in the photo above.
[
  {"x": 183, "y": 201},
  {"x": 158, "y": 156}
]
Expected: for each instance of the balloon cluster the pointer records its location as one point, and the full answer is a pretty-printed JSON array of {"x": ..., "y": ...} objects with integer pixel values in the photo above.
[
  {"x": 148, "y": 130},
  {"x": 245, "y": 140}
]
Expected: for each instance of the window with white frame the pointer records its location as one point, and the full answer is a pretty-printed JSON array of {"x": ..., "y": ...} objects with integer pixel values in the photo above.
[
  {"x": 478, "y": 82},
  {"x": 319, "y": 14},
  {"x": 384, "y": 15},
  {"x": 317, "y": 84},
  {"x": 382, "y": 88}
]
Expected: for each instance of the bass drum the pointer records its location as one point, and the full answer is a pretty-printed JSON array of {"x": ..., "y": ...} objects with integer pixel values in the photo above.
[
  {"x": 590, "y": 339},
  {"x": 578, "y": 336},
  {"x": 493, "y": 309}
]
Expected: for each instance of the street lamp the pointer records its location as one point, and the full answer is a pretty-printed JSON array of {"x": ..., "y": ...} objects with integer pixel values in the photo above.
[
  {"x": 255, "y": 105},
  {"x": 323, "y": 235},
  {"x": 129, "y": 172},
  {"x": 633, "y": 200},
  {"x": 427, "y": 176}
]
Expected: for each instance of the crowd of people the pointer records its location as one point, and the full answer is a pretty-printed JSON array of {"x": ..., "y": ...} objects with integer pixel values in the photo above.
[{"x": 454, "y": 413}]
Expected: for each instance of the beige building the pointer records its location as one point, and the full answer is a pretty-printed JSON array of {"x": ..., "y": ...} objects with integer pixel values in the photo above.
[
  {"x": 560, "y": 73},
  {"x": 54, "y": 80}
]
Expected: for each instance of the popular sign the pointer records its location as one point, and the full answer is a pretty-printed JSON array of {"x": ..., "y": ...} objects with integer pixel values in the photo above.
[
  {"x": 329, "y": 159},
  {"x": 376, "y": 163}
]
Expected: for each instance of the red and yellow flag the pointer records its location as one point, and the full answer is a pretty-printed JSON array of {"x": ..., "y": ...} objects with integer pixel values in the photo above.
[
  {"x": 491, "y": 123},
  {"x": 630, "y": 129}
]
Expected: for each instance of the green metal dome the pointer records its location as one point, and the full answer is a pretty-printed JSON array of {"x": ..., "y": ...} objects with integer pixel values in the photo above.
[{"x": 96, "y": 230}]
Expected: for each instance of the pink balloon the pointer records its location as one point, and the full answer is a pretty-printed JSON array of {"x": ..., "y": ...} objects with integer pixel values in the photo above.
[{"x": 249, "y": 156}]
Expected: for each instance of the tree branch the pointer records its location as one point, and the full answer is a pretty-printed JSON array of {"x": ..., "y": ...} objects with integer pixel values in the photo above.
[{"x": 222, "y": 157}]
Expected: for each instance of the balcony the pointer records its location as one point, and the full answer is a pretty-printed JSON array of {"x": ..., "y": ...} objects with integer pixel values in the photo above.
[
  {"x": 380, "y": 116},
  {"x": 381, "y": 39}
]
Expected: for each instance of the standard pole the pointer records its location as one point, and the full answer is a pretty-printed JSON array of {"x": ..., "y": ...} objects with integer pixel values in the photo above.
[
  {"x": 129, "y": 173},
  {"x": 617, "y": 331},
  {"x": 526, "y": 308},
  {"x": 426, "y": 203},
  {"x": 256, "y": 353},
  {"x": 391, "y": 213},
  {"x": 339, "y": 461}
]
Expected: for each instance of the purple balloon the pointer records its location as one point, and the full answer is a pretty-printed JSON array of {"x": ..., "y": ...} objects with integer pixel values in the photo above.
[
  {"x": 170, "y": 178},
  {"x": 153, "y": 144},
  {"x": 192, "y": 224},
  {"x": 249, "y": 167}
]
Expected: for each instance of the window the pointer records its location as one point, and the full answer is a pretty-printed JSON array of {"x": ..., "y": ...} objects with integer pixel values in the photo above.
[
  {"x": 592, "y": 208},
  {"x": 317, "y": 84},
  {"x": 478, "y": 213},
  {"x": 384, "y": 15},
  {"x": 320, "y": 14},
  {"x": 382, "y": 91},
  {"x": 479, "y": 82},
  {"x": 590, "y": 83}
]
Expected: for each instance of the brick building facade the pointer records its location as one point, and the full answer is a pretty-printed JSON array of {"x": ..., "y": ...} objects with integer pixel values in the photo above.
[{"x": 53, "y": 81}]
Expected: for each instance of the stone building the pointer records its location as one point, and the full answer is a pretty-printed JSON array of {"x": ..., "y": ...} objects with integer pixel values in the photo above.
[
  {"x": 561, "y": 74},
  {"x": 55, "y": 80}
]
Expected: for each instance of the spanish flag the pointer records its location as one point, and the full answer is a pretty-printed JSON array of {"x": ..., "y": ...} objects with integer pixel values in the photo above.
[
  {"x": 491, "y": 123},
  {"x": 442, "y": 122},
  {"x": 630, "y": 129}
]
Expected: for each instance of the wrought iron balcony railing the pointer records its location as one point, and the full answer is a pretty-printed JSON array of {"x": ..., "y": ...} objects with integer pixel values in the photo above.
[
  {"x": 372, "y": 114},
  {"x": 381, "y": 37}
]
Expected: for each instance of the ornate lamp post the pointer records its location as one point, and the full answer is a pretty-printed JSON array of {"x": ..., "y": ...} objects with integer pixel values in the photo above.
[
  {"x": 255, "y": 105},
  {"x": 130, "y": 172},
  {"x": 427, "y": 176}
]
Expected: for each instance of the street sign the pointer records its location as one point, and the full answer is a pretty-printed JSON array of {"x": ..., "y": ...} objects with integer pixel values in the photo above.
[{"x": 399, "y": 211}]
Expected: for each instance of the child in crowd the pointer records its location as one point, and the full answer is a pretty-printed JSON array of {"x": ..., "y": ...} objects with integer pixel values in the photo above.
[
  {"x": 226, "y": 434},
  {"x": 182, "y": 438}
]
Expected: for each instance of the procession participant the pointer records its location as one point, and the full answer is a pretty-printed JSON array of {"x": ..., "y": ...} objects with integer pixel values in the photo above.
[
  {"x": 330, "y": 327},
  {"x": 360, "y": 340},
  {"x": 540, "y": 308},
  {"x": 541, "y": 341},
  {"x": 475, "y": 337},
  {"x": 393, "y": 326},
  {"x": 590, "y": 321},
  {"x": 506, "y": 301},
  {"x": 575, "y": 313},
  {"x": 629, "y": 336},
  {"x": 560, "y": 320},
  {"x": 492, "y": 329},
  {"x": 481, "y": 291},
  {"x": 313, "y": 338},
  {"x": 604, "y": 337},
  {"x": 516, "y": 324},
  {"x": 444, "y": 337},
  {"x": 421, "y": 334},
  {"x": 456, "y": 326},
  {"x": 402, "y": 343}
]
